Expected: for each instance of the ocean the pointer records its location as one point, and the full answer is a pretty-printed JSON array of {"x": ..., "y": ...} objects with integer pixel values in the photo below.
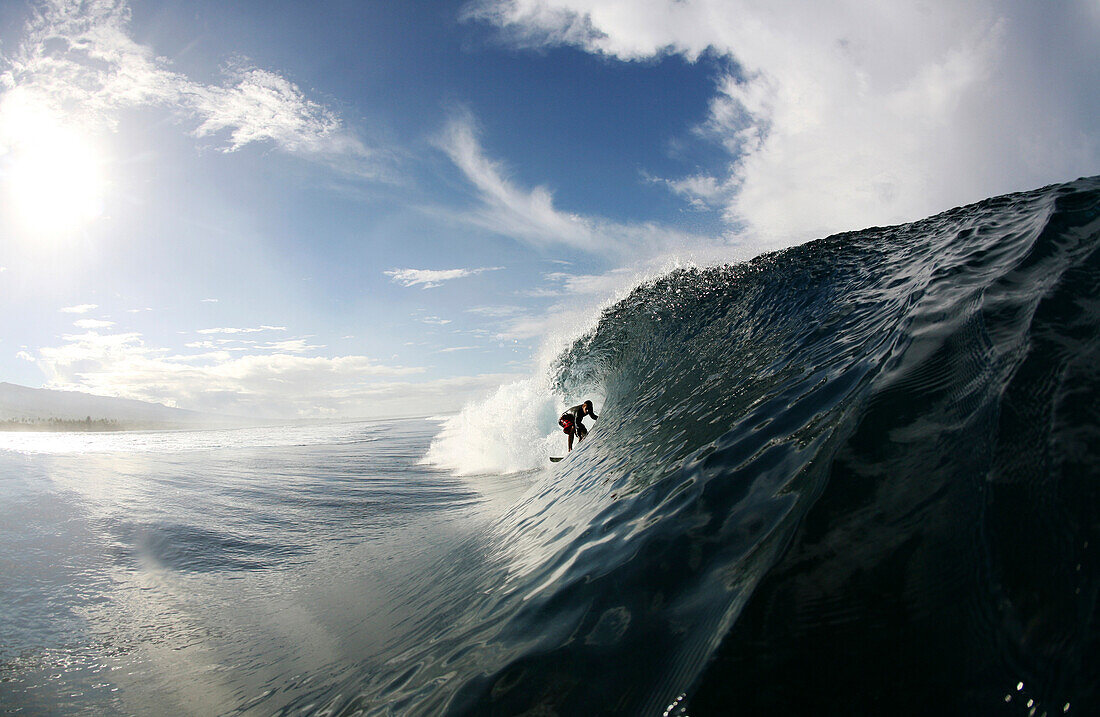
[{"x": 858, "y": 476}]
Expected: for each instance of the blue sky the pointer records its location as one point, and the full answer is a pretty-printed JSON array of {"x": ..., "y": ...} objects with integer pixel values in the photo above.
[{"x": 363, "y": 208}]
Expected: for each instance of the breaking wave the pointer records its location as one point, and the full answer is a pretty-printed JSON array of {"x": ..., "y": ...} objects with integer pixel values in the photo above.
[{"x": 857, "y": 475}]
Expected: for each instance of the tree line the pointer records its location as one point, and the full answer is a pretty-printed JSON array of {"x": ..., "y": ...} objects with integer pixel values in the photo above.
[{"x": 61, "y": 424}]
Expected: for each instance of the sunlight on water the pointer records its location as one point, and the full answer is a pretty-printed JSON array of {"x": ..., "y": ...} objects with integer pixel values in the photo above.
[
  {"x": 196, "y": 570},
  {"x": 182, "y": 440}
]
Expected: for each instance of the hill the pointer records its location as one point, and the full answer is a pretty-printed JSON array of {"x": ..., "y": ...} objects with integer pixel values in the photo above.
[{"x": 26, "y": 408}]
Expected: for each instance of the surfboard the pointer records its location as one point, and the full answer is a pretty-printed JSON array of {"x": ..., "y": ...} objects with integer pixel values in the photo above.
[{"x": 555, "y": 459}]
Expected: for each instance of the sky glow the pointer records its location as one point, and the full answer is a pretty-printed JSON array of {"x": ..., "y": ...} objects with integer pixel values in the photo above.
[
  {"x": 54, "y": 175},
  {"x": 353, "y": 209}
]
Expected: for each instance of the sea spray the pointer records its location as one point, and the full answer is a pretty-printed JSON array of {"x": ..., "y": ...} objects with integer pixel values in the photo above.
[
  {"x": 516, "y": 428},
  {"x": 504, "y": 433}
]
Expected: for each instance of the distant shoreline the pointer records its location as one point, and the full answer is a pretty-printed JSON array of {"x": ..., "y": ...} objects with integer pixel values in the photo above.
[{"x": 59, "y": 425}]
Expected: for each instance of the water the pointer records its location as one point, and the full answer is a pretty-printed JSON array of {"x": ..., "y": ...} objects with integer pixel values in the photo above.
[
  {"x": 209, "y": 571},
  {"x": 855, "y": 477}
]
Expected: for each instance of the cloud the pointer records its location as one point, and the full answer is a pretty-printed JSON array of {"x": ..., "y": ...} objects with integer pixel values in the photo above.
[
  {"x": 77, "y": 60},
  {"x": 495, "y": 311},
  {"x": 210, "y": 301},
  {"x": 92, "y": 324},
  {"x": 837, "y": 116},
  {"x": 431, "y": 278},
  {"x": 701, "y": 191},
  {"x": 78, "y": 309},
  {"x": 294, "y": 346},
  {"x": 262, "y": 106},
  {"x": 230, "y": 330},
  {"x": 529, "y": 215},
  {"x": 283, "y": 383}
]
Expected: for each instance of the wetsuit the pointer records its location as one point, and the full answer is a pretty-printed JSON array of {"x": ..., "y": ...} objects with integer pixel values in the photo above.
[{"x": 570, "y": 421}]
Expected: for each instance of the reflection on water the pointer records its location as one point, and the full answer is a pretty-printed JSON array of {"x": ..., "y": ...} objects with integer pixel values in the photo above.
[
  {"x": 182, "y": 440},
  {"x": 198, "y": 572}
]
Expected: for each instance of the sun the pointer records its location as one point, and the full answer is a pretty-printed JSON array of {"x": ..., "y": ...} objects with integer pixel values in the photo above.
[{"x": 52, "y": 172}]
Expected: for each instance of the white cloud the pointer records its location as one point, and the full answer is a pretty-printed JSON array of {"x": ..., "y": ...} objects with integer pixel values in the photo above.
[
  {"x": 92, "y": 324},
  {"x": 230, "y": 330},
  {"x": 279, "y": 384},
  {"x": 530, "y": 215},
  {"x": 540, "y": 292},
  {"x": 77, "y": 60},
  {"x": 260, "y": 106},
  {"x": 78, "y": 309},
  {"x": 701, "y": 191},
  {"x": 294, "y": 346},
  {"x": 839, "y": 115},
  {"x": 209, "y": 301},
  {"x": 431, "y": 278},
  {"x": 506, "y": 209},
  {"x": 495, "y": 311}
]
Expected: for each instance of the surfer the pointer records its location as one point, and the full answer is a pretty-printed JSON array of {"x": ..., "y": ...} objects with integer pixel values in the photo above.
[{"x": 570, "y": 421}]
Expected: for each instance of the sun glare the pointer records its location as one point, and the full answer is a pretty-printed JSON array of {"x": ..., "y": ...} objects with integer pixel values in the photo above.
[{"x": 53, "y": 173}]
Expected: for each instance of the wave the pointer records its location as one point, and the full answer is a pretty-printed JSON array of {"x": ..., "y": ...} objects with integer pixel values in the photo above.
[{"x": 859, "y": 474}]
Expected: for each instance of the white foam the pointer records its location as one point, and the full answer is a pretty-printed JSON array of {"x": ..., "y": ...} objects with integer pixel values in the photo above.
[
  {"x": 508, "y": 432},
  {"x": 516, "y": 429}
]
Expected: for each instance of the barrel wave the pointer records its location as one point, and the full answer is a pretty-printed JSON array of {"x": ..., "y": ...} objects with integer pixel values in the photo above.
[
  {"x": 856, "y": 476},
  {"x": 868, "y": 465}
]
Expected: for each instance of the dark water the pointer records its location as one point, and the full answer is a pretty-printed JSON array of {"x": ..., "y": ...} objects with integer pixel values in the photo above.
[
  {"x": 883, "y": 450},
  {"x": 855, "y": 477}
]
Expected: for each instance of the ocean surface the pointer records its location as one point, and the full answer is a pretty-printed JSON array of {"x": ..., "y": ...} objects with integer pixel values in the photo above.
[{"x": 859, "y": 476}]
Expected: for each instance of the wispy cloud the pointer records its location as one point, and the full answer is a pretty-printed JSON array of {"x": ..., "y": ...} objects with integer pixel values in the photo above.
[
  {"x": 262, "y": 106},
  {"x": 495, "y": 311},
  {"x": 506, "y": 209},
  {"x": 92, "y": 324},
  {"x": 834, "y": 118},
  {"x": 431, "y": 278},
  {"x": 77, "y": 59},
  {"x": 79, "y": 308},
  {"x": 231, "y": 330},
  {"x": 529, "y": 215},
  {"x": 292, "y": 346}
]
